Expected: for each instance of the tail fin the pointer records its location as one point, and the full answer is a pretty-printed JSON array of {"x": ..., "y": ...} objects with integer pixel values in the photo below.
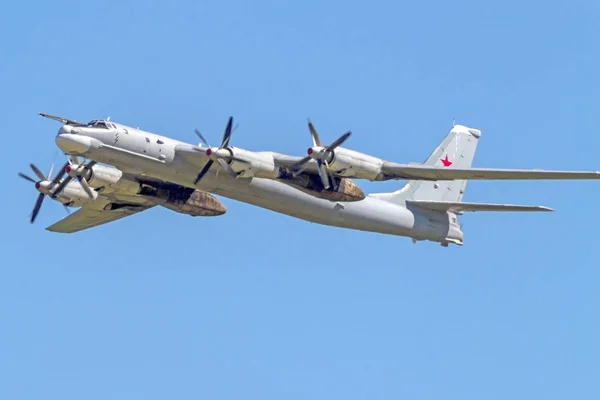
[{"x": 457, "y": 150}]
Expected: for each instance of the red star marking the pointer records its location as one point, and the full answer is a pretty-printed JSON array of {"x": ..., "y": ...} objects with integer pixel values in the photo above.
[{"x": 445, "y": 161}]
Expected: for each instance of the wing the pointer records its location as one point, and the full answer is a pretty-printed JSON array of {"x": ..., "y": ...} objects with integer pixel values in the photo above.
[
  {"x": 87, "y": 217},
  {"x": 458, "y": 207},
  {"x": 287, "y": 162},
  {"x": 432, "y": 173},
  {"x": 197, "y": 156},
  {"x": 193, "y": 153}
]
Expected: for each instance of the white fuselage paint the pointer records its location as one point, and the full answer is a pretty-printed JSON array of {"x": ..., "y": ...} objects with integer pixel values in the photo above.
[{"x": 147, "y": 154}]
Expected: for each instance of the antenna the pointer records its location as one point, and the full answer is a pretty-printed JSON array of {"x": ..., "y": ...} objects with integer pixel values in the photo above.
[
  {"x": 453, "y": 123},
  {"x": 108, "y": 119}
]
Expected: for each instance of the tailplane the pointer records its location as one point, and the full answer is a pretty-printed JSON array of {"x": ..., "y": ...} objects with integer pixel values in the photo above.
[
  {"x": 457, "y": 150},
  {"x": 436, "y": 205}
]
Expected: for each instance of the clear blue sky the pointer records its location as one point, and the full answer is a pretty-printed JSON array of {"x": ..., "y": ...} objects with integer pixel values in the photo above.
[{"x": 249, "y": 305}]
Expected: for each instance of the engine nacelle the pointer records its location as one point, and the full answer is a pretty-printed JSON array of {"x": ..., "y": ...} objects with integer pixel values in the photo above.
[
  {"x": 73, "y": 195},
  {"x": 196, "y": 203},
  {"x": 108, "y": 178},
  {"x": 354, "y": 164},
  {"x": 343, "y": 189},
  {"x": 252, "y": 164}
]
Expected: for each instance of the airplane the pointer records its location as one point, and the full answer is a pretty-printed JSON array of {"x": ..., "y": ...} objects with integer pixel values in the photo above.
[
  {"x": 102, "y": 197},
  {"x": 315, "y": 188}
]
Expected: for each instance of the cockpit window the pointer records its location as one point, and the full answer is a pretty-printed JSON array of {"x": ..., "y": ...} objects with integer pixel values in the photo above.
[{"x": 98, "y": 124}]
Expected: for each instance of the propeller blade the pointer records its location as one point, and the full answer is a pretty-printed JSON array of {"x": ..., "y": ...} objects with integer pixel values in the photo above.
[
  {"x": 62, "y": 185},
  {"x": 227, "y": 168},
  {"x": 204, "y": 171},
  {"x": 90, "y": 165},
  {"x": 60, "y": 173},
  {"x": 331, "y": 176},
  {"x": 301, "y": 162},
  {"x": 50, "y": 172},
  {"x": 227, "y": 134},
  {"x": 37, "y": 172},
  {"x": 85, "y": 186},
  {"x": 201, "y": 137},
  {"x": 27, "y": 178},
  {"x": 339, "y": 141},
  {"x": 313, "y": 133},
  {"x": 323, "y": 174},
  {"x": 297, "y": 172},
  {"x": 36, "y": 207}
]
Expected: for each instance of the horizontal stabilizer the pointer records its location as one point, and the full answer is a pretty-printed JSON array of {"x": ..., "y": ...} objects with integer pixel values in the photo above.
[{"x": 458, "y": 207}]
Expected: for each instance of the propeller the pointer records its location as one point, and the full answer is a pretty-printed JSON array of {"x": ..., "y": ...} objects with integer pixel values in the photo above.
[
  {"x": 81, "y": 170},
  {"x": 322, "y": 154},
  {"x": 42, "y": 185},
  {"x": 217, "y": 154}
]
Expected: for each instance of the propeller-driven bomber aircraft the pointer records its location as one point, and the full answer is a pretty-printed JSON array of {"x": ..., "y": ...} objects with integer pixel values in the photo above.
[{"x": 142, "y": 169}]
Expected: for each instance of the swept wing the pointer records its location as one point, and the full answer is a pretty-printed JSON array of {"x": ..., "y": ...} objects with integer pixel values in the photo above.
[
  {"x": 87, "y": 217},
  {"x": 434, "y": 173}
]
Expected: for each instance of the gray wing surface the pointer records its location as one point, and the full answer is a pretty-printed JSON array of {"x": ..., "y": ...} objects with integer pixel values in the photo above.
[
  {"x": 458, "y": 207},
  {"x": 287, "y": 161},
  {"x": 425, "y": 172},
  {"x": 87, "y": 217},
  {"x": 193, "y": 153}
]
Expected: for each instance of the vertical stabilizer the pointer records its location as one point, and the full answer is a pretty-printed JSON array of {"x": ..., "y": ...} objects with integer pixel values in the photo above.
[{"x": 457, "y": 150}]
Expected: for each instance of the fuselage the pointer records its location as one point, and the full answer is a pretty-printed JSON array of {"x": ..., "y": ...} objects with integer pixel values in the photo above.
[{"x": 146, "y": 154}]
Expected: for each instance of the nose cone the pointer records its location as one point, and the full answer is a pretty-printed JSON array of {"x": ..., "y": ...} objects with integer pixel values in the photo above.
[
  {"x": 65, "y": 129},
  {"x": 73, "y": 144}
]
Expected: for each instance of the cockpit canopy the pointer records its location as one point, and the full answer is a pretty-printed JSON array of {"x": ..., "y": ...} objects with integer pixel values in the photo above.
[{"x": 99, "y": 123}]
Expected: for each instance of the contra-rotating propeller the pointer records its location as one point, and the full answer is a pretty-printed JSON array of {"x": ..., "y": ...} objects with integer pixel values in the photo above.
[
  {"x": 44, "y": 185},
  {"x": 322, "y": 154},
  {"x": 217, "y": 154},
  {"x": 80, "y": 172}
]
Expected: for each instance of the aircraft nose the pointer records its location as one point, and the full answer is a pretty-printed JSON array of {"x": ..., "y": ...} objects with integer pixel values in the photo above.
[
  {"x": 73, "y": 144},
  {"x": 65, "y": 129}
]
